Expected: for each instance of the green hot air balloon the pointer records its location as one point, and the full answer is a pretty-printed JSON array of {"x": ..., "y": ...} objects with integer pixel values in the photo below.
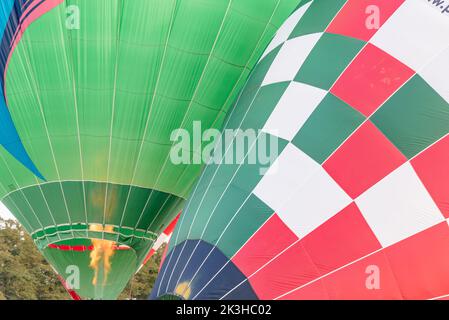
[{"x": 93, "y": 90}]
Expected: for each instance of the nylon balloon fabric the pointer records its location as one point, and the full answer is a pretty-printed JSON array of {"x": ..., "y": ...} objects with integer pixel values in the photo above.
[
  {"x": 354, "y": 206},
  {"x": 91, "y": 91}
]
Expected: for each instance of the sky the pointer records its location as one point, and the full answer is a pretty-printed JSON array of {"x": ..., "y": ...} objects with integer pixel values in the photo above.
[{"x": 4, "y": 212}]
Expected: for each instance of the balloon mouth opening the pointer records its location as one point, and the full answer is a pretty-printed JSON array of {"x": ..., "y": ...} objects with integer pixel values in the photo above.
[
  {"x": 101, "y": 252},
  {"x": 87, "y": 243},
  {"x": 80, "y": 235},
  {"x": 93, "y": 267},
  {"x": 64, "y": 246}
]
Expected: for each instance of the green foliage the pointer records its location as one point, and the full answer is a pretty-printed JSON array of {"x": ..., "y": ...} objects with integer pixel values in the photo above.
[
  {"x": 141, "y": 284},
  {"x": 26, "y": 275}
]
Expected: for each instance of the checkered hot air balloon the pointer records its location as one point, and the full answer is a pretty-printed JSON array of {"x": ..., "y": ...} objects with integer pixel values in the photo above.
[{"x": 355, "y": 204}]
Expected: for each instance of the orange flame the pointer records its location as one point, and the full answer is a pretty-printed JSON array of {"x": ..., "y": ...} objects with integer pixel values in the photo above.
[{"x": 103, "y": 250}]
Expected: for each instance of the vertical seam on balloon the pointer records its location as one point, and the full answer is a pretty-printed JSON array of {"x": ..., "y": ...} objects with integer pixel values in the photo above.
[
  {"x": 24, "y": 21},
  {"x": 378, "y": 249},
  {"x": 238, "y": 99},
  {"x": 159, "y": 211},
  {"x": 75, "y": 102},
  {"x": 37, "y": 91},
  {"x": 204, "y": 194},
  {"x": 151, "y": 104},
  {"x": 46, "y": 204},
  {"x": 191, "y": 225},
  {"x": 23, "y": 194},
  {"x": 192, "y": 99},
  {"x": 23, "y": 216},
  {"x": 246, "y": 154},
  {"x": 201, "y": 176},
  {"x": 26, "y": 199},
  {"x": 117, "y": 53},
  {"x": 198, "y": 85}
]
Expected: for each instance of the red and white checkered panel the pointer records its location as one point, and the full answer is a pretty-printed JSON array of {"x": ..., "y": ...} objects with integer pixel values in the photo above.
[
  {"x": 287, "y": 118},
  {"x": 286, "y": 29},
  {"x": 163, "y": 238},
  {"x": 370, "y": 208},
  {"x": 372, "y": 77},
  {"x": 290, "y": 58}
]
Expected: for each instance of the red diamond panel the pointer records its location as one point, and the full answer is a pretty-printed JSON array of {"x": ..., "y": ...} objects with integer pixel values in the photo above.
[
  {"x": 351, "y": 282},
  {"x": 363, "y": 160},
  {"x": 432, "y": 167},
  {"x": 361, "y": 19},
  {"x": 420, "y": 263},
  {"x": 288, "y": 271},
  {"x": 371, "y": 79},
  {"x": 342, "y": 239},
  {"x": 273, "y": 237}
]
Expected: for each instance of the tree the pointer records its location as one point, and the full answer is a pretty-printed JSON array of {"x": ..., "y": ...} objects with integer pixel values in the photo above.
[
  {"x": 142, "y": 282},
  {"x": 24, "y": 273}
]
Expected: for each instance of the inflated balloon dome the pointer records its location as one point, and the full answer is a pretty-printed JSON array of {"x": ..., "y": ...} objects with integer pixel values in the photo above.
[{"x": 356, "y": 202}]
